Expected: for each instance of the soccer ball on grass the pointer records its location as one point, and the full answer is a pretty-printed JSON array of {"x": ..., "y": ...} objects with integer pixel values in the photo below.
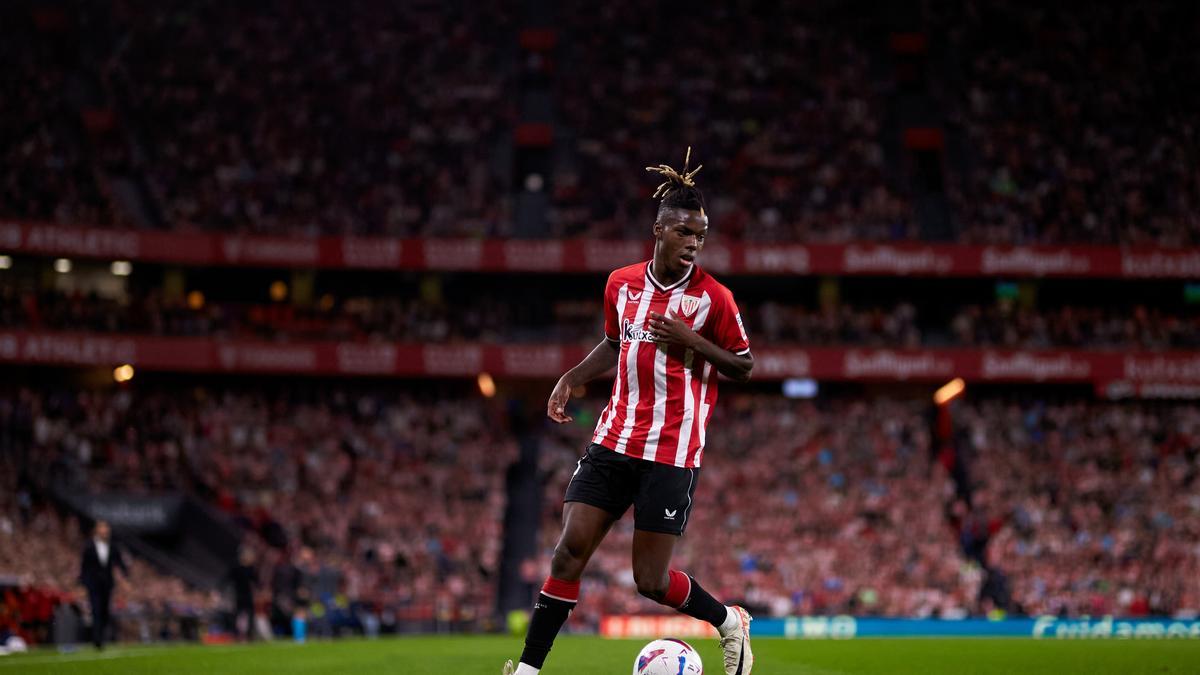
[{"x": 668, "y": 656}]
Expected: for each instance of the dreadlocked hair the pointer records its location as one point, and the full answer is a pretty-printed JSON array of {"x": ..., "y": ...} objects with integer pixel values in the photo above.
[{"x": 679, "y": 189}]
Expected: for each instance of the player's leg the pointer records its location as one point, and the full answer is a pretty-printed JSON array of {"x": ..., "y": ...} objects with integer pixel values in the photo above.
[
  {"x": 584, "y": 527},
  {"x": 599, "y": 493},
  {"x": 661, "y": 510},
  {"x": 656, "y": 580}
]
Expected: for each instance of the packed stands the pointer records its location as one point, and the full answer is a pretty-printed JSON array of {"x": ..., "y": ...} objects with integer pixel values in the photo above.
[
  {"x": 1088, "y": 508},
  {"x": 40, "y": 557},
  {"x": 874, "y": 520},
  {"x": 1080, "y": 122},
  {"x": 47, "y": 171},
  {"x": 783, "y": 112},
  {"x": 276, "y": 458},
  {"x": 386, "y": 125},
  {"x": 843, "y": 506},
  {"x": 791, "y": 111},
  {"x": 431, "y": 315},
  {"x": 163, "y": 132},
  {"x": 264, "y": 120}
]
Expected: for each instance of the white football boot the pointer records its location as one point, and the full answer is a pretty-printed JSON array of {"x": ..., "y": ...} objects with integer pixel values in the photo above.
[
  {"x": 508, "y": 668},
  {"x": 736, "y": 645}
]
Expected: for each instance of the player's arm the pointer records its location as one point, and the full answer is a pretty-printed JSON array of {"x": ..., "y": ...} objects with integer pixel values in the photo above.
[
  {"x": 673, "y": 331},
  {"x": 602, "y": 359},
  {"x": 734, "y": 366}
]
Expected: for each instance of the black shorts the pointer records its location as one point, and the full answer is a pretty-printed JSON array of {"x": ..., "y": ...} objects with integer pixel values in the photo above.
[{"x": 661, "y": 494}]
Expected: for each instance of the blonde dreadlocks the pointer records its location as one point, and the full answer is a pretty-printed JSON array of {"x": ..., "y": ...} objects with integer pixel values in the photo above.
[{"x": 679, "y": 189}]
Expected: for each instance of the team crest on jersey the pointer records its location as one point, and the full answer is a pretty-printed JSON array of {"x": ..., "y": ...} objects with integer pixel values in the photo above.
[{"x": 688, "y": 305}]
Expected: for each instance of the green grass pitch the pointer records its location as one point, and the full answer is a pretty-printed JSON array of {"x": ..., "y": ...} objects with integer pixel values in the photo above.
[{"x": 595, "y": 656}]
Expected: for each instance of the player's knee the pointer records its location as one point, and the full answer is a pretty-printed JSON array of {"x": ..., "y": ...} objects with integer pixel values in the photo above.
[
  {"x": 568, "y": 561},
  {"x": 652, "y": 585}
]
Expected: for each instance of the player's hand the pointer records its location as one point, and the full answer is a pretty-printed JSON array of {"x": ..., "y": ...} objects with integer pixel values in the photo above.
[
  {"x": 556, "y": 407},
  {"x": 670, "y": 330}
]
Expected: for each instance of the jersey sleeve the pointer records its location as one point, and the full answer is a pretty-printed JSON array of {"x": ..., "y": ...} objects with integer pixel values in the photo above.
[
  {"x": 728, "y": 332},
  {"x": 612, "y": 329}
]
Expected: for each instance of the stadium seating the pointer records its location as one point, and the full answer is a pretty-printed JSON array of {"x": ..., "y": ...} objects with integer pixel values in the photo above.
[
  {"x": 841, "y": 507},
  {"x": 275, "y": 459},
  {"x": 399, "y": 120},
  {"x": 386, "y": 126},
  {"x": 46, "y": 171},
  {"x": 836, "y": 506},
  {"x": 1072, "y": 138},
  {"x": 1095, "y": 503},
  {"x": 486, "y": 317},
  {"x": 39, "y": 563},
  {"x": 788, "y": 130},
  {"x": 408, "y": 137}
]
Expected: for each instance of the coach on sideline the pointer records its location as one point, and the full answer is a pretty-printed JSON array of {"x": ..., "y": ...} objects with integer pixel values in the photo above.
[{"x": 100, "y": 557}]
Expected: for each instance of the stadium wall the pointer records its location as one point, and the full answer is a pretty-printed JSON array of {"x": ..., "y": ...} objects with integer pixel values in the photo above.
[{"x": 849, "y": 627}]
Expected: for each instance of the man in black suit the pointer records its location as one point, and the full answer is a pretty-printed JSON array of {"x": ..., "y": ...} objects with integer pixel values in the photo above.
[{"x": 100, "y": 558}]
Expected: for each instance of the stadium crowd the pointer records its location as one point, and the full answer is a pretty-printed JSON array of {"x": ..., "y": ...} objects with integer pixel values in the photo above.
[
  {"x": 486, "y": 317},
  {"x": 799, "y": 510},
  {"x": 1088, "y": 509},
  {"x": 46, "y": 171},
  {"x": 284, "y": 133},
  {"x": 264, "y": 118},
  {"x": 830, "y": 506},
  {"x": 385, "y": 125},
  {"x": 844, "y": 507},
  {"x": 40, "y": 563},
  {"x": 781, "y": 110},
  {"x": 276, "y": 459},
  {"x": 417, "y": 317},
  {"x": 1080, "y": 121}
]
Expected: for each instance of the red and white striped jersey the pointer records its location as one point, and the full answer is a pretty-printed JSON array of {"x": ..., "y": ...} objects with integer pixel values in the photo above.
[{"x": 663, "y": 395}]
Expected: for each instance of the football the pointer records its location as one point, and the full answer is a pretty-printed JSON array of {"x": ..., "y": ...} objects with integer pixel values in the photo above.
[{"x": 668, "y": 656}]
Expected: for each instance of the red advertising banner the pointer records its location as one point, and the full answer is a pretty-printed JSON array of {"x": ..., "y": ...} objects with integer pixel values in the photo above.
[
  {"x": 654, "y": 626},
  {"x": 577, "y": 255},
  {"x": 1132, "y": 372}
]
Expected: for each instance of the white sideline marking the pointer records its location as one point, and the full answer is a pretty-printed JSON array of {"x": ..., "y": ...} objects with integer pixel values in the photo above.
[
  {"x": 81, "y": 655},
  {"x": 85, "y": 654}
]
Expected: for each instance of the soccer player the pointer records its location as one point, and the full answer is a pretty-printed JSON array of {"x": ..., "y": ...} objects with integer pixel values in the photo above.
[{"x": 668, "y": 326}]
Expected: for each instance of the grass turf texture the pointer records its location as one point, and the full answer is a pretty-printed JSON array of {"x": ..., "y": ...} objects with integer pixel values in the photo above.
[{"x": 595, "y": 656}]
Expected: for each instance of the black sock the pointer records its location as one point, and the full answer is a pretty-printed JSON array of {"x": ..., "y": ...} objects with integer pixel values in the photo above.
[
  {"x": 549, "y": 615},
  {"x": 703, "y": 606}
]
